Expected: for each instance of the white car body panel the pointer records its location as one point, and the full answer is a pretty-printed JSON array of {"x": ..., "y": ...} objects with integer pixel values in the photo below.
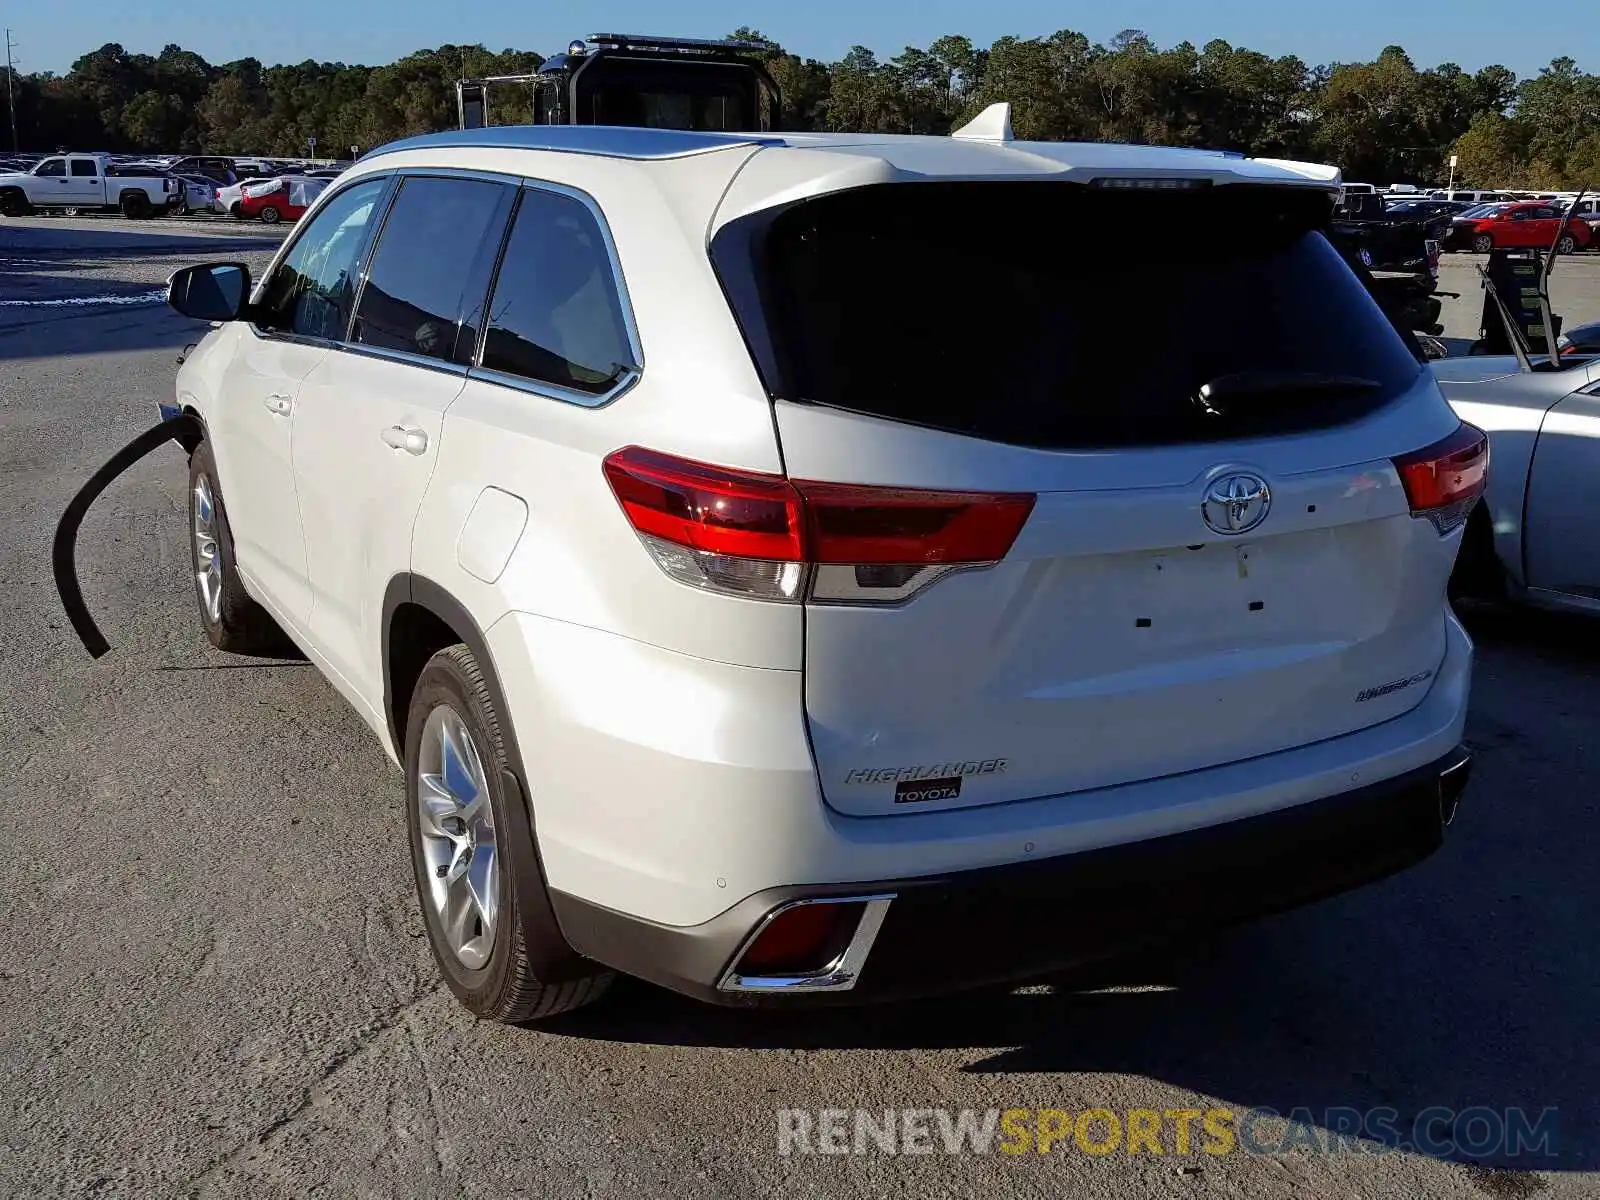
[
  {"x": 671, "y": 736},
  {"x": 1099, "y": 700},
  {"x": 358, "y": 494},
  {"x": 251, "y": 441},
  {"x": 668, "y": 786}
]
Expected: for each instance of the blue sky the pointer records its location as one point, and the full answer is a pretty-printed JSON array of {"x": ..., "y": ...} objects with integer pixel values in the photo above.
[{"x": 1469, "y": 32}]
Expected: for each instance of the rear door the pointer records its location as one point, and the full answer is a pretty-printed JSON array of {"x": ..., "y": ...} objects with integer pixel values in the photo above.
[
  {"x": 85, "y": 184},
  {"x": 1521, "y": 229},
  {"x": 1543, "y": 221},
  {"x": 367, "y": 422},
  {"x": 1220, "y": 560}
]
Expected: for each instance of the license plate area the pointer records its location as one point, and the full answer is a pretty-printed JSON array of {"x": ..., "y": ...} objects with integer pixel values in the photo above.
[{"x": 1196, "y": 588}]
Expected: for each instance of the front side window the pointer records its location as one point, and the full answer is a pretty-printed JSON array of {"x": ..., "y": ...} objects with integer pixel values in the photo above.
[
  {"x": 556, "y": 316},
  {"x": 311, "y": 292},
  {"x": 85, "y": 168},
  {"x": 427, "y": 270},
  {"x": 52, "y": 168}
]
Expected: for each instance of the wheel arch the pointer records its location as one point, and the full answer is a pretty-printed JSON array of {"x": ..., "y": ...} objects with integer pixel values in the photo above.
[
  {"x": 416, "y": 613},
  {"x": 191, "y": 441}
]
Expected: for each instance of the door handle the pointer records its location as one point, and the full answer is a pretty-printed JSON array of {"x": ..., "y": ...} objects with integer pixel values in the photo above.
[
  {"x": 401, "y": 437},
  {"x": 278, "y": 404}
]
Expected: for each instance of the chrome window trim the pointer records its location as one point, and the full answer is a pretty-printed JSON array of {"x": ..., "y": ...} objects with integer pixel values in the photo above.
[
  {"x": 553, "y": 391},
  {"x": 630, "y": 325},
  {"x": 296, "y": 339},
  {"x": 407, "y": 357}
]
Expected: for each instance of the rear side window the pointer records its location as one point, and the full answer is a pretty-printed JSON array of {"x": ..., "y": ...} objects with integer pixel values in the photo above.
[
  {"x": 556, "y": 316},
  {"x": 84, "y": 168},
  {"x": 424, "y": 264},
  {"x": 1052, "y": 315}
]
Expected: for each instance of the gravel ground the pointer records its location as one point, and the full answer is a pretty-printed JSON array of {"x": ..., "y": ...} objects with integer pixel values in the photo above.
[{"x": 213, "y": 978}]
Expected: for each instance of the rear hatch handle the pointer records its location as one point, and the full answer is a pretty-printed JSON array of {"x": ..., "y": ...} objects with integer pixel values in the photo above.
[{"x": 63, "y": 553}]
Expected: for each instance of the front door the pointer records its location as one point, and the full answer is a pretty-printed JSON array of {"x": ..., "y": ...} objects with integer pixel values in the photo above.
[
  {"x": 367, "y": 423},
  {"x": 299, "y": 313},
  {"x": 49, "y": 185}
]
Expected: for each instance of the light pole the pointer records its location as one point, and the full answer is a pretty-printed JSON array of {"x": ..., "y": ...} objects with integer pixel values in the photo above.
[{"x": 11, "y": 99}]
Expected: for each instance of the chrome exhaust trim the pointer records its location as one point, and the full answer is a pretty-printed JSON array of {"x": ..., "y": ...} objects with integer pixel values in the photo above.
[
  {"x": 838, "y": 976},
  {"x": 1452, "y": 782}
]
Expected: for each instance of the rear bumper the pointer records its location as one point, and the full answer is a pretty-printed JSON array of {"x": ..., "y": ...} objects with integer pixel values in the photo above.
[{"x": 998, "y": 924}]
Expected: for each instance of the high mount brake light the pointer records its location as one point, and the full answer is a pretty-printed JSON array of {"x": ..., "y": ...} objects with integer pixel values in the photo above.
[
  {"x": 1443, "y": 481},
  {"x": 768, "y": 537}
]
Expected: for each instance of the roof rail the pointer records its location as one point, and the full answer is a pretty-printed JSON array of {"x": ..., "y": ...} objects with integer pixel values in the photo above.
[{"x": 993, "y": 124}]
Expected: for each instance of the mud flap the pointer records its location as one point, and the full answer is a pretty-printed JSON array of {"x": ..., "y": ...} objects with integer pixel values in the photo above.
[{"x": 63, "y": 554}]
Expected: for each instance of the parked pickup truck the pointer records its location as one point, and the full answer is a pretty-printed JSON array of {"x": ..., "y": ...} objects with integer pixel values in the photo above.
[{"x": 87, "y": 181}]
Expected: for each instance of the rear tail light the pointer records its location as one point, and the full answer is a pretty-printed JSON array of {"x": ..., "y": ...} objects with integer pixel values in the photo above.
[
  {"x": 1443, "y": 481},
  {"x": 772, "y": 538}
]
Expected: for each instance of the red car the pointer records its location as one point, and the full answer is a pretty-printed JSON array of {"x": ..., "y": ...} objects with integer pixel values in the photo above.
[
  {"x": 1532, "y": 223},
  {"x": 279, "y": 199}
]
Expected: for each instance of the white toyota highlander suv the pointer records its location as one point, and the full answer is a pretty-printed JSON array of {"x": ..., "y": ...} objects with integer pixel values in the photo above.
[{"x": 840, "y": 567}]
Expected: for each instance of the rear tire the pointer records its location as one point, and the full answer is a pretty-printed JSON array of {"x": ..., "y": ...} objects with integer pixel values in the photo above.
[
  {"x": 231, "y": 619},
  {"x": 473, "y": 855},
  {"x": 1483, "y": 243},
  {"x": 134, "y": 205},
  {"x": 270, "y": 215},
  {"x": 14, "y": 204}
]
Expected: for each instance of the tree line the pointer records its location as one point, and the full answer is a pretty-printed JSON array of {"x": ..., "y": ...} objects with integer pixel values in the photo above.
[{"x": 1383, "y": 121}]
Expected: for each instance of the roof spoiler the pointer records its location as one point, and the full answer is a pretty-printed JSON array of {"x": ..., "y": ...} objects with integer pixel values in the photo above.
[{"x": 993, "y": 124}]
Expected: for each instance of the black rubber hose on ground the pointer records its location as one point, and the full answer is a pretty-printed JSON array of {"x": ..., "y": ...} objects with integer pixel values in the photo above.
[{"x": 63, "y": 554}]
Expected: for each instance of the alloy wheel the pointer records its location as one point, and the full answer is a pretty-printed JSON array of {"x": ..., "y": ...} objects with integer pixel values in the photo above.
[
  {"x": 207, "y": 556},
  {"x": 459, "y": 852}
]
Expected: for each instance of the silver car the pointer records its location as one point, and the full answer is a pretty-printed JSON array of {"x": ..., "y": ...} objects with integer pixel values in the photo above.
[{"x": 1532, "y": 537}]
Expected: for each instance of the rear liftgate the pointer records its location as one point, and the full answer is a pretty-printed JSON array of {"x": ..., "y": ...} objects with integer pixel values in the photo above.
[{"x": 63, "y": 554}]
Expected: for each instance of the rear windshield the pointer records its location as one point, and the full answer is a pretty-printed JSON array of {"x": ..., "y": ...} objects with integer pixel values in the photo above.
[{"x": 1061, "y": 316}]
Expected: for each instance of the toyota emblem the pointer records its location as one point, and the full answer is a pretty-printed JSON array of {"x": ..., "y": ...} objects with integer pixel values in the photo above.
[{"x": 1236, "y": 503}]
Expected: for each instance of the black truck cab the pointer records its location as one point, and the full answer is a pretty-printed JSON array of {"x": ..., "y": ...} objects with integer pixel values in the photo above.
[{"x": 636, "y": 80}]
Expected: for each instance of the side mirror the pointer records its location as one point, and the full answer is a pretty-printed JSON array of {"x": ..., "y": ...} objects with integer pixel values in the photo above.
[{"x": 211, "y": 291}]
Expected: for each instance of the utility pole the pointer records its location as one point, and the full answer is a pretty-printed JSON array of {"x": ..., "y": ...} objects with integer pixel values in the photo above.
[{"x": 11, "y": 99}]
